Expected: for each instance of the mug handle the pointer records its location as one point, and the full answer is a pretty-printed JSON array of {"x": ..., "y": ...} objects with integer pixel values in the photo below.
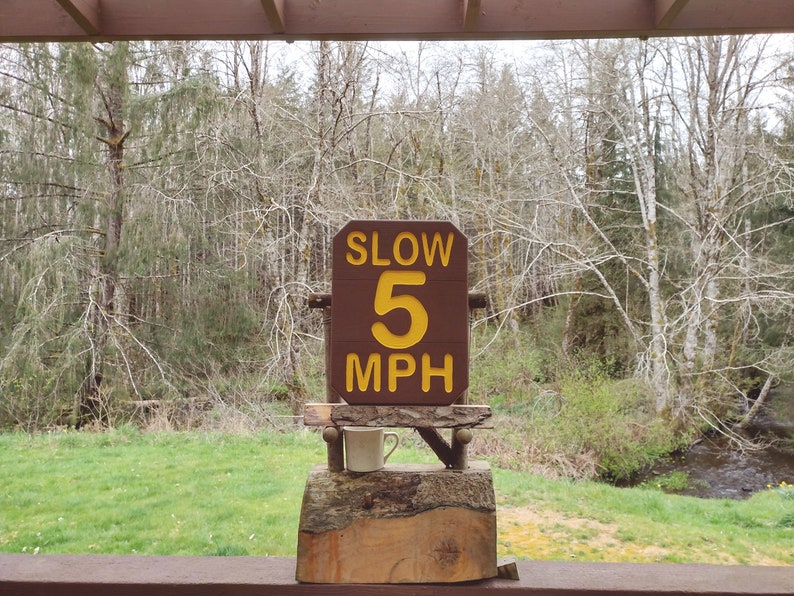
[{"x": 396, "y": 443}]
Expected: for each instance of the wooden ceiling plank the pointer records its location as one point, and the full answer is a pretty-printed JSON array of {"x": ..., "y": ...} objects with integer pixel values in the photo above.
[
  {"x": 274, "y": 9},
  {"x": 572, "y": 18},
  {"x": 85, "y": 13},
  {"x": 471, "y": 14},
  {"x": 736, "y": 16},
  {"x": 667, "y": 11},
  {"x": 381, "y": 19},
  {"x": 185, "y": 19}
]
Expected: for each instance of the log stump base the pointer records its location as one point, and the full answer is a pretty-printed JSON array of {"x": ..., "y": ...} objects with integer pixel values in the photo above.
[{"x": 406, "y": 523}]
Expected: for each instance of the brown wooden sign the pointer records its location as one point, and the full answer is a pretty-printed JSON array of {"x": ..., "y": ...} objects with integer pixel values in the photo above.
[{"x": 400, "y": 332}]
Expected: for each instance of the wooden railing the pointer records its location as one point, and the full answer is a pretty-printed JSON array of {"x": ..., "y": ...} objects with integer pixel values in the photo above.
[{"x": 107, "y": 575}]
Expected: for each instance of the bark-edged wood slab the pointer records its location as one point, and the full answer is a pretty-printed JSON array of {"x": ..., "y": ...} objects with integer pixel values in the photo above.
[
  {"x": 406, "y": 523},
  {"x": 455, "y": 416}
]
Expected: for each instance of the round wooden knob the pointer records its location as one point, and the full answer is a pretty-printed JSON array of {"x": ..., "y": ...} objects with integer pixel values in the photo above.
[
  {"x": 464, "y": 435},
  {"x": 330, "y": 434}
]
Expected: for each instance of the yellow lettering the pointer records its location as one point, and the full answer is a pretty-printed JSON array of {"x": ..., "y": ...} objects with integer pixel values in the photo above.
[
  {"x": 386, "y": 301},
  {"x": 396, "y": 372},
  {"x": 444, "y": 250},
  {"x": 444, "y": 371},
  {"x": 360, "y": 249},
  {"x": 362, "y": 376},
  {"x": 377, "y": 261},
  {"x": 398, "y": 242}
]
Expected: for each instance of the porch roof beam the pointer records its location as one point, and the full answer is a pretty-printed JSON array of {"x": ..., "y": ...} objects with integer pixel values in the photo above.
[
  {"x": 85, "y": 13},
  {"x": 101, "y": 20}
]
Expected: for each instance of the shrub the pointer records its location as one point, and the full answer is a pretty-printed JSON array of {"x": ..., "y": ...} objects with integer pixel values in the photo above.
[
  {"x": 613, "y": 420},
  {"x": 583, "y": 423}
]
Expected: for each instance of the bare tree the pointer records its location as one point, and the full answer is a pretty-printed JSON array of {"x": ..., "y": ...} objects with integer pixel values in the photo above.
[
  {"x": 655, "y": 117},
  {"x": 101, "y": 292}
]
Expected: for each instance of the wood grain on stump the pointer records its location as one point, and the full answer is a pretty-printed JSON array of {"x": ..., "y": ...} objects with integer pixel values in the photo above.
[{"x": 407, "y": 523}]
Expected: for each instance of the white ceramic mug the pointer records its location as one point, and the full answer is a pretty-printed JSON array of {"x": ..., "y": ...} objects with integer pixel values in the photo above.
[{"x": 364, "y": 448}]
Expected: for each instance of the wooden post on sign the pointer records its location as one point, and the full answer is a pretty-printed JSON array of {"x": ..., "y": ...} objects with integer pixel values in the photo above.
[
  {"x": 332, "y": 435},
  {"x": 462, "y": 437}
]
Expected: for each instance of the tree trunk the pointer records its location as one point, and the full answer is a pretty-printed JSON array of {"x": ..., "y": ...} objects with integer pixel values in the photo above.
[
  {"x": 647, "y": 195},
  {"x": 92, "y": 404}
]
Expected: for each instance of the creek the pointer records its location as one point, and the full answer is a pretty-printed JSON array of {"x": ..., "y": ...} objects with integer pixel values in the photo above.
[{"x": 716, "y": 468}]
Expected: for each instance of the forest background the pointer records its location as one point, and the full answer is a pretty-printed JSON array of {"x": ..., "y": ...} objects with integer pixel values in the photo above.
[{"x": 167, "y": 207}]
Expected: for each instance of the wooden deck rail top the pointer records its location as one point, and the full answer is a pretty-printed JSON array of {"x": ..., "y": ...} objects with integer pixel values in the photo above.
[{"x": 100, "y": 575}]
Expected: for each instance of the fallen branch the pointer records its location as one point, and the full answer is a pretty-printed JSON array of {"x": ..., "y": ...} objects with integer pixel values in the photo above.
[{"x": 756, "y": 408}]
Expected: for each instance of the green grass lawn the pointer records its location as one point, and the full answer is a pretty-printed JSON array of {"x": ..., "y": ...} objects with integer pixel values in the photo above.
[
  {"x": 125, "y": 492},
  {"x": 591, "y": 521}
]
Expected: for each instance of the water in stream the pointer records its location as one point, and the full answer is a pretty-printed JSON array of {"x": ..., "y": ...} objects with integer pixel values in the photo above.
[{"x": 717, "y": 469}]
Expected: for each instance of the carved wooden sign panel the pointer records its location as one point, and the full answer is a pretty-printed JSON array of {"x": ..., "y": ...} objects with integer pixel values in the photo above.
[{"x": 400, "y": 333}]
